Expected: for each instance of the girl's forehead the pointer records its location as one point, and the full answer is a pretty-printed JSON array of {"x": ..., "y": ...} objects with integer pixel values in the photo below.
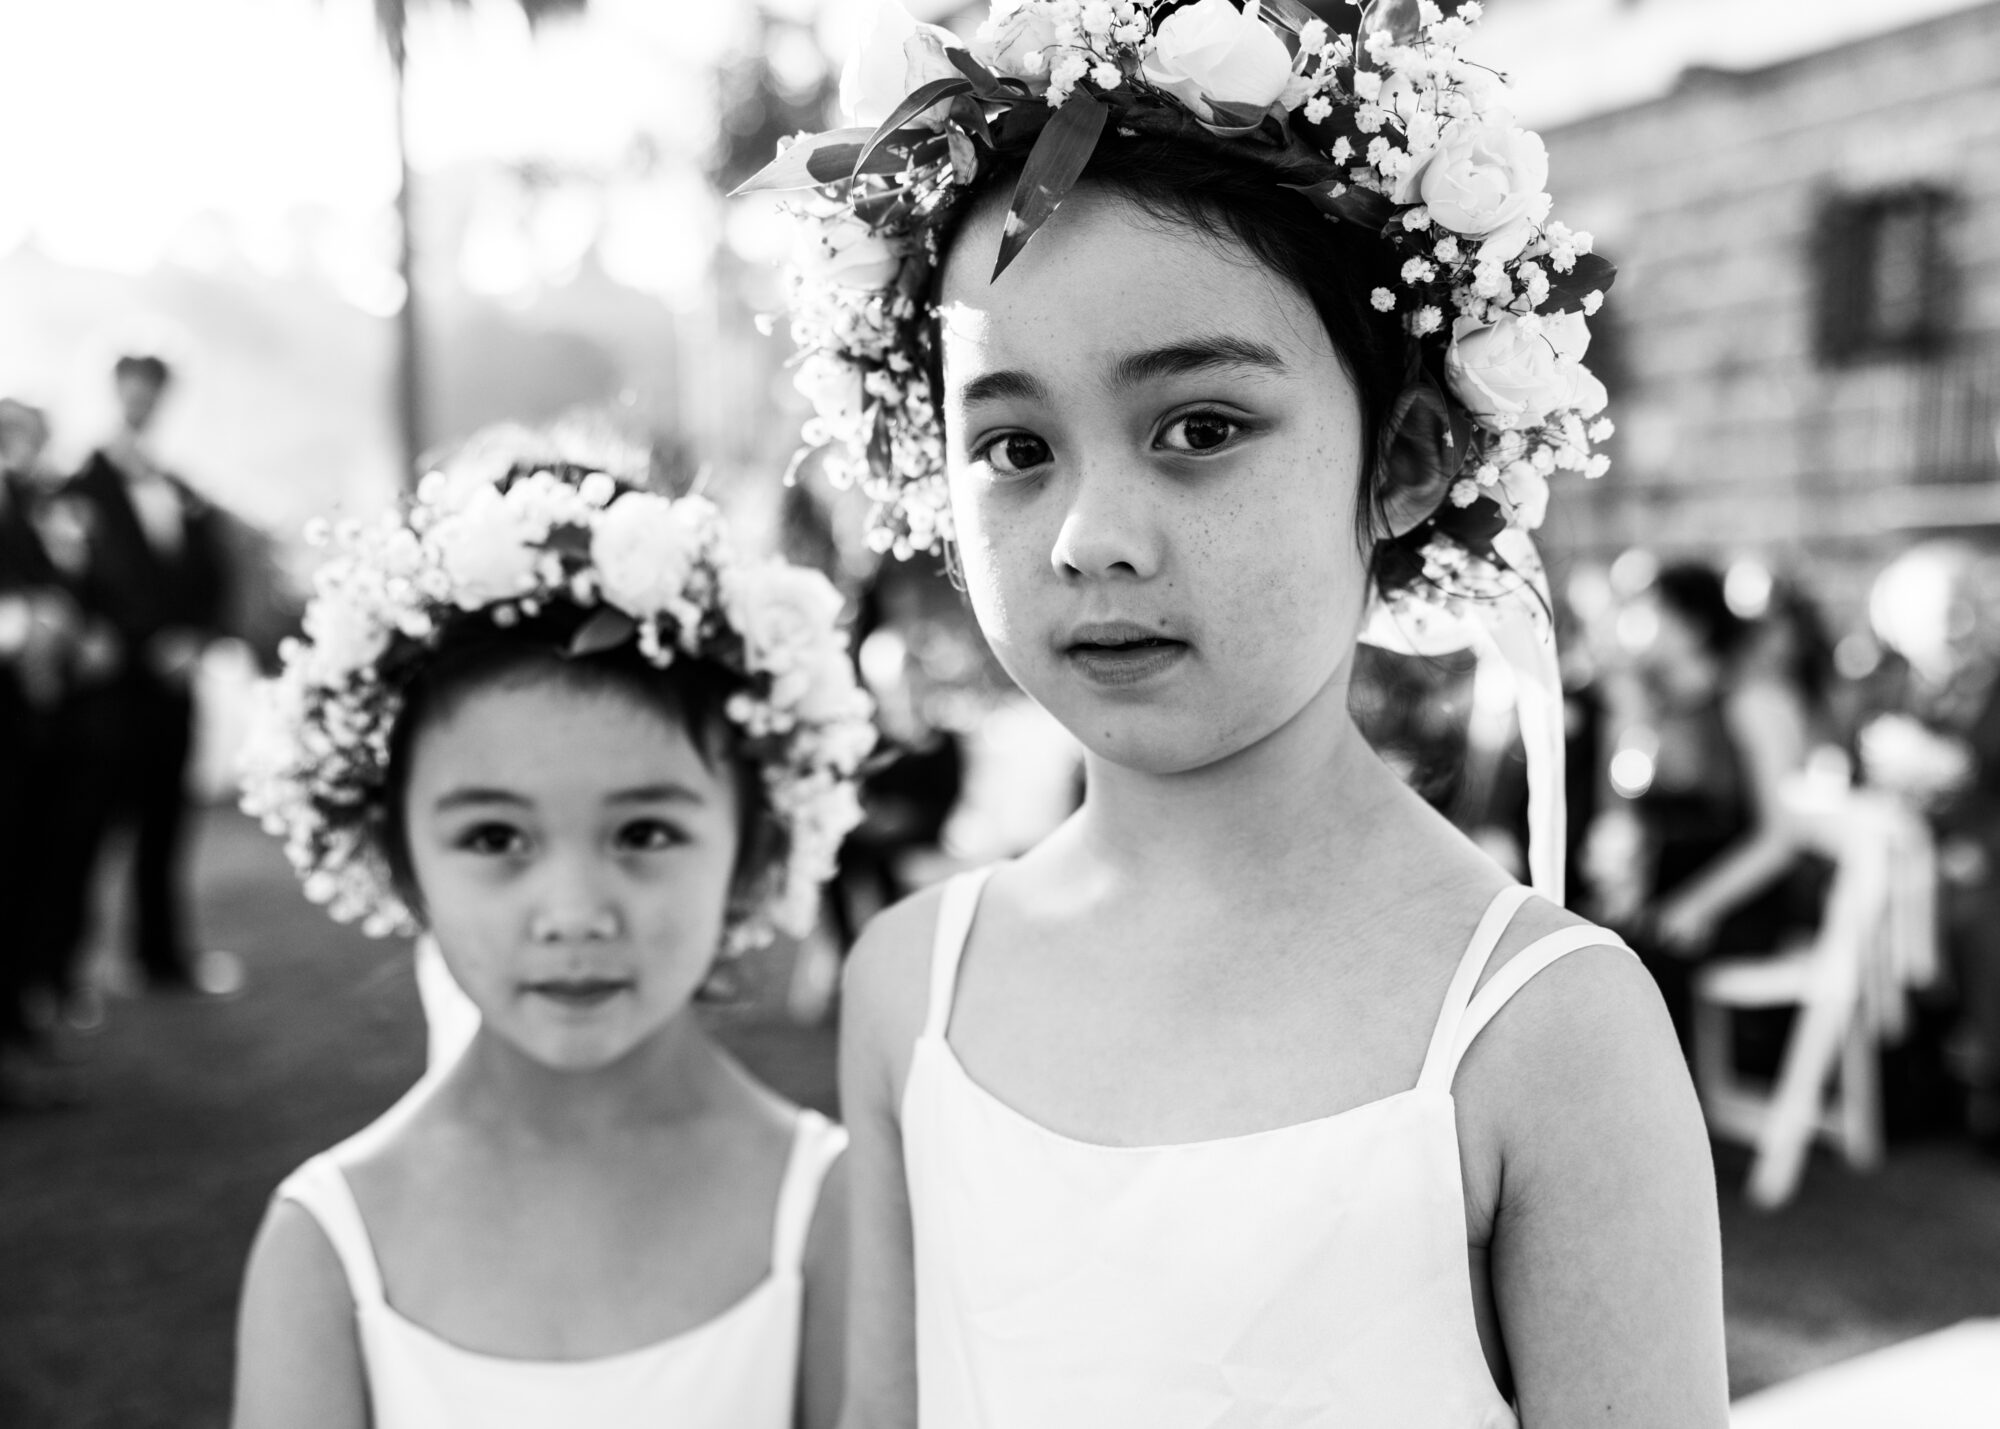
[
  {"x": 547, "y": 732},
  {"x": 1104, "y": 279}
]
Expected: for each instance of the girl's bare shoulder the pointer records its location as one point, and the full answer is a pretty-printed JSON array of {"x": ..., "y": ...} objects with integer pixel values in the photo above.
[
  {"x": 1583, "y": 1044},
  {"x": 885, "y": 988}
]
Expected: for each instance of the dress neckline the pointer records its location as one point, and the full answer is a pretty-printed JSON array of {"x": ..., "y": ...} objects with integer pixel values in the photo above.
[
  {"x": 671, "y": 1344},
  {"x": 949, "y": 1056}
]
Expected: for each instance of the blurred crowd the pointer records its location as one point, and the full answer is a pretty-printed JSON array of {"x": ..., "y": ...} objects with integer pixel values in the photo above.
[
  {"x": 1714, "y": 721},
  {"x": 115, "y": 578}
]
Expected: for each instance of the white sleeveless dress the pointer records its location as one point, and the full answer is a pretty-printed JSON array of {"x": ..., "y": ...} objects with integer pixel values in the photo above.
[
  {"x": 1311, "y": 1275},
  {"x": 736, "y": 1371}
]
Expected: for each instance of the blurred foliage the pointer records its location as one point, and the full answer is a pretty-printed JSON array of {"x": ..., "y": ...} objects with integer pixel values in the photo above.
[{"x": 775, "y": 88}]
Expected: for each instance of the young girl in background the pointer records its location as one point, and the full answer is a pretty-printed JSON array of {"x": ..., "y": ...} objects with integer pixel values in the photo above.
[
  {"x": 1254, "y": 1095},
  {"x": 558, "y": 723}
]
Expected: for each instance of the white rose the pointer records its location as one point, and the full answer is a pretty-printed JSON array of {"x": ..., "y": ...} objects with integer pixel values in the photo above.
[
  {"x": 486, "y": 551},
  {"x": 833, "y": 386},
  {"x": 1512, "y": 375},
  {"x": 845, "y": 252},
  {"x": 896, "y": 58},
  {"x": 644, "y": 549},
  {"x": 1016, "y": 40},
  {"x": 1585, "y": 392},
  {"x": 786, "y": 614},
  {"x": 344, "y": 637},
  {"x": 1213, "y": 53},
  {"x": 1481, "y": 176}
]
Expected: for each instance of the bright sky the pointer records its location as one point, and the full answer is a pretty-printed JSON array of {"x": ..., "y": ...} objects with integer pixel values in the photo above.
[{"x": 134, "y": 132}]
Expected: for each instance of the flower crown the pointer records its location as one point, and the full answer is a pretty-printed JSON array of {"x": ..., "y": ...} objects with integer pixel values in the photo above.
[
  {"x": 511, "y": 525},
  {"x": 1407, "y": 140}
]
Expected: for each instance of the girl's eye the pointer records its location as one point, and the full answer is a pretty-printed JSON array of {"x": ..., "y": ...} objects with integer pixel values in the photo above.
[
  {"x": 1015, "y": 453},
  {"x": 493, "y": 839},
  {"x": 650, "y": 836},
  {"x": 1199, "y": 432}
]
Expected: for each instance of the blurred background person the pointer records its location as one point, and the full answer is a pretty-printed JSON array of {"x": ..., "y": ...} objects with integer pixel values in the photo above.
[
  {"x": 1734, "y": 709},
  {"x": 37, "y": 626},
  {"x": 1936, "y": 740},
  {"x": 158, "y": 560}
]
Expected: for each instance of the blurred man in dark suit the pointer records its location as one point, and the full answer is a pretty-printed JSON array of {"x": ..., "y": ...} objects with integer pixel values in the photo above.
[
  {"x": 39, "y": 626},
  {"x": 159, "y": 574}
]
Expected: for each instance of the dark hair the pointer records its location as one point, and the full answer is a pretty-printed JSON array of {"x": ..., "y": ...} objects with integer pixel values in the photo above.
[
  {"x": 143, "y": 366},
  {"x": 1187, "y": 179},
  {"x": 477, "y": 653},
  {"x": 1809, "y": 665},
  {"x": 1694, "y": 592}
]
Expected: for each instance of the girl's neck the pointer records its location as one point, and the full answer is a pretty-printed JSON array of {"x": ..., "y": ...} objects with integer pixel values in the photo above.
[
  {"x": 1307, "y": 795},
  {"x": 677, "y": 1074}
]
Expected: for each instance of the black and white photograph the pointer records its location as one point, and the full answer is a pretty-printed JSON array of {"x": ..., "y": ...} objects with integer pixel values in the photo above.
[{"x": 1000, "y": 714}]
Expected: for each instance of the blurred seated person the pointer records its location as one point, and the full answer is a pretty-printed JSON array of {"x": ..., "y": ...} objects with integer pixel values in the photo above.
[
  {"x": 1952, "y": 643},
  {"x": 1735, "y": 708}
]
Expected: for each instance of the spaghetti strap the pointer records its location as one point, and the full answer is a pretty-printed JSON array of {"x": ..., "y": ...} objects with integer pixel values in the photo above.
[
  {"x": 1515, "y": 975},
  {"x": 816, "y": 1145},
  {"x": 954, "y": 926},
  {"x": 322, "y": 1190},
  {"x": 1439, "y": 1062}
]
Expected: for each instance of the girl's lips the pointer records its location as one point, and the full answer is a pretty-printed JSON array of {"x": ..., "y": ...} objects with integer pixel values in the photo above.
[
  {"x": 1122, "y": 664},
  {"x": 578, "y": 993}
]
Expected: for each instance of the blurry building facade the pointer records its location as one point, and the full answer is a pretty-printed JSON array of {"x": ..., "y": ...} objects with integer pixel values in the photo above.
[{"x": 1803, "y": 347}]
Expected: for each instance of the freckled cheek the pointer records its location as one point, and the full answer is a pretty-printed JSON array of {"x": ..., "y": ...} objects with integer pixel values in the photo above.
[{"x": 1002, "y": 568}]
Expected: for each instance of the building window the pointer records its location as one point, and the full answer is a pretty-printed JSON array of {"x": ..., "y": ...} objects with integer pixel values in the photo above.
[{"x": 1883, "y": 277}]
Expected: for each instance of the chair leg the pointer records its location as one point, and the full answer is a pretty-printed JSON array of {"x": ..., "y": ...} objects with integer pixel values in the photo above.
[
  {"x": 1793, "y": 1121},
  {"x": 1860, "y": 1100}
]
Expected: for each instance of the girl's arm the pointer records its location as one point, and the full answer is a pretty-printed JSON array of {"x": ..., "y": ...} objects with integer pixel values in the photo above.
[
  {"x": 882, "y": 1013},
  {"x": 1769, "y": 730},
  {"x": 823, "y": 1344},
  {"x": 298, "y": 1358},
  {"x": 1606, "y": 1252}
]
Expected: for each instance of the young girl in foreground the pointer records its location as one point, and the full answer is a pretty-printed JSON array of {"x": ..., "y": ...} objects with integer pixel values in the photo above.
[
  {"x": 1254, "y": 1095},
  {"x": 560, "y": 725}
]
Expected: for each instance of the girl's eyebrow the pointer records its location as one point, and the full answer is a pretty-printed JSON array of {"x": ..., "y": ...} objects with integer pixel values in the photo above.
[
  {"x": 472, "y": 796},
  {"x": 1135, "y": 369},
  {"x": 1005, "y": 386},
  {"x": 1196, "y": 355},
  {"x": 663, "y": 793},
  {"x": 667, "y": 793}
]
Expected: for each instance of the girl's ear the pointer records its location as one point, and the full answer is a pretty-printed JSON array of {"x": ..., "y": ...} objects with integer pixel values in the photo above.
[{"x": 1423, "y": 445}]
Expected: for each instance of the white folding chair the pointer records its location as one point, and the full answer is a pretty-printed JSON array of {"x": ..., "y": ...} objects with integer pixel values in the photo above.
[{"x": 1829, "y": 1082}]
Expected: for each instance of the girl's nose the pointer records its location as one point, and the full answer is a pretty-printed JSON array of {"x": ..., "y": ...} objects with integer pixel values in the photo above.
[
  {"x": 574, "y": 907},
  {"x": 1108, "y": 530},
  {"x": 550, "y": 925}
]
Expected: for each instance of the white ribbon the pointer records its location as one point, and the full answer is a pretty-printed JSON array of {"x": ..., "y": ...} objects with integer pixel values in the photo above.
[{"x": 1515, "y": 628}]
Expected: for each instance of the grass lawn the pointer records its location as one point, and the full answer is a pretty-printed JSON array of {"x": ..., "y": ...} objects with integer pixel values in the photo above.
[{"x": 123, "y": 1226}]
